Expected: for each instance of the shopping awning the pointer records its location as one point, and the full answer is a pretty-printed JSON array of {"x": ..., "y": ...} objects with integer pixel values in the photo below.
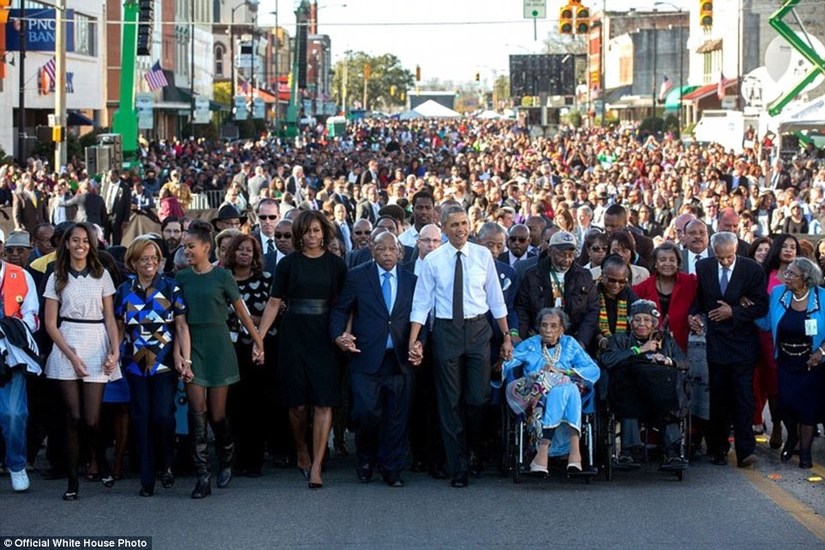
[
  {"x": 76, "y": 118},
  {"x": 672, "y": 98},
  {"x": 612, "y": 95},
  {"x": 708, "y": 89},
  {"x": 710, "y": 46}
]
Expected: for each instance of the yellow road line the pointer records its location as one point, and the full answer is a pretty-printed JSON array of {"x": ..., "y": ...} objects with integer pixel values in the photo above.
[
  {"x": 818, "y": 469},
  {"x": 801, "y": 513}
]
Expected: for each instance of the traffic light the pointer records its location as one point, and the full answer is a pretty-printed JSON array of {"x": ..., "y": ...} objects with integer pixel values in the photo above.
[
  {"x": 301, "y": 52},
  {"x": 566, "y": 20},
  {"x": 706, "y": 13},
  {"x": 146, "y": 19},
  {"x": 582, "y": 20},
  {"x": 478, "y": 77},
  {"x": 418, "y": 73}
]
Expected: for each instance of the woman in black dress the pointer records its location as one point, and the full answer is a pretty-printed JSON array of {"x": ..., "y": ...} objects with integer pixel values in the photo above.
[
  {"x": 308, "y": 280},
  {"x": 247, "y": 398}
]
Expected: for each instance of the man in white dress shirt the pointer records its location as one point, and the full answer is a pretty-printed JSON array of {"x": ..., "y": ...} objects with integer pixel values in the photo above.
[
  {"x": 459, "y": 280},
  {"x": 696, "y": 246}
]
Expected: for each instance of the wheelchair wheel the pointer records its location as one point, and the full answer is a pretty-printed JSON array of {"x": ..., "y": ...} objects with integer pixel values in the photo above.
[{"x": 609, "y": 447}]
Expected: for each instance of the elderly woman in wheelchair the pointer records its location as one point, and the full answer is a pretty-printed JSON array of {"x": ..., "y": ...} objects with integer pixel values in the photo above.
[
  {"x": 556, "y": 372},
  {"x": 648, "y": 379}
]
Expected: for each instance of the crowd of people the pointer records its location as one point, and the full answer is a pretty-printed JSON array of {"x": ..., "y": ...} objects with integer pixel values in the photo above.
[{"x": 386, "y": 282}]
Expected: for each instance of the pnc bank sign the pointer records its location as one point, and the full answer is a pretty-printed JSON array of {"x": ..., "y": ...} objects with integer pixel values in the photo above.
[{"x": 39, "y": 28}]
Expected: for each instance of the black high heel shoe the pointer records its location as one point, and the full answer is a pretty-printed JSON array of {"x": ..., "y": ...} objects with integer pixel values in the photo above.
[
  {"x": 805, "y": 460},
  {"x": 108, "y": 481},
  {"x": 167, "y": 479},
  {"x": 316, "y": 485},
  {"x": 305, "y": 472},
  {"x": 787, "y": 450}
]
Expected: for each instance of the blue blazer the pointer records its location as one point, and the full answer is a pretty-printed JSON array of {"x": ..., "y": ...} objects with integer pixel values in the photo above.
[
  {"x": 371, "y": 322},
  {"x": 779, "y": 304}
]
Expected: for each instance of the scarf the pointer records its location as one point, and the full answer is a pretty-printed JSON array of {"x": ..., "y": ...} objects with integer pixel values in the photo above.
[{"x": 621, "y": 317}]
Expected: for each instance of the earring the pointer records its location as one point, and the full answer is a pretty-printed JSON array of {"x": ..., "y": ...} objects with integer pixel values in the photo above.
[{"x": 322, "y": 243}]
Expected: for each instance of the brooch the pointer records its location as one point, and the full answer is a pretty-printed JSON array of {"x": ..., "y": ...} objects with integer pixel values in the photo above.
[{"x": 19, "y": 299}]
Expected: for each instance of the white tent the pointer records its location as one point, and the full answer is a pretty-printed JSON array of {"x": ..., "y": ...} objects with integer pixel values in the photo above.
[
  {"x": 433, "y": 109},
  {"x": 488, "y": 115},
  {"x": 808, "y": 116},
  {"x": 409, "y": 115}
]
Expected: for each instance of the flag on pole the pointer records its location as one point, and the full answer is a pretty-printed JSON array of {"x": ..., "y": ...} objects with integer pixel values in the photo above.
[
  {"x": 155, "y": 77},
  {"x": 667, "y": 85},
  {"x": 723, "y": 84},
  {"x": 50, "y": 69}
]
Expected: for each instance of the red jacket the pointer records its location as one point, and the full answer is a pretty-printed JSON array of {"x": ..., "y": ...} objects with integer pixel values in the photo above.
[{"x": 684, "y": 291}]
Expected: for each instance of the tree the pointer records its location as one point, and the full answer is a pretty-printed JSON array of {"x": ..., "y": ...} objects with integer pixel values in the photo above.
[
  {"x": 556, "y": 43},
  {"x": 388, "y": 85},
  {"x": 501, "y": 90}
]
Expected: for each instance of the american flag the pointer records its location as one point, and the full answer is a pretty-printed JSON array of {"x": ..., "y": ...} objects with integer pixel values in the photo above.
[
  {"x": 723, "y": 84},
  {"x": 155, "y": 77},
  {"x": 667, "y": 85},
  {"x": 50, "y": 69}
]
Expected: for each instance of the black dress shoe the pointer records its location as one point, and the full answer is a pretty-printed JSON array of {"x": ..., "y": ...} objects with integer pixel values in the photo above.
[
  {"x": 146, "y": 491},
  {"x": 315, "y": 485},
  {"x": 419, "y": 466},
  {"x": 748, "y": 461},
  {"x": 460, "y": 480},
  {"x": 788, "y": 449},
  {"x": 476, "y": 467},
  {"x": 719, "y": 460},
  {"x": 364, "y": 473},
  {"x": 304, "y": 472},
  {"x": 167, "y": 479},
  {"x": 439, "y": 473},
  {"x": 393, "y": 480}
]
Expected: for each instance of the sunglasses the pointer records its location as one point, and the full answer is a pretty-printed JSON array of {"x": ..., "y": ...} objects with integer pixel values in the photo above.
[
  {"x": 282, "y": 235},
  {"x": 598, "y": 248},
  {"x": 268, "y": 217},
  {"x": 361, "y": 232},
  {"x": 519, "y": 239}
]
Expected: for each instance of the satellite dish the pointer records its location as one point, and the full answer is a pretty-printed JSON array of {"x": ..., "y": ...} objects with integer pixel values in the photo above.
[{"x": 786, "y": 66}]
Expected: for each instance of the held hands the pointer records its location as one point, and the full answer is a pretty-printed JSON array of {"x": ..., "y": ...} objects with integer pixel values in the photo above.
[
  {"x": 815, "y": 358},
  {"x": 721, "y": 313},
  {"x": 257, "y": 355},
  {"x": 506, "y": 350},
  {"x": 416, "y": 353},
  {"x": 650, "y": 346},
  {"x": 346, "y": 342},
  {"x": 111, "y": 362},
  {"x": 79, "y": 366},
  {"x": 696, "y": 324}
]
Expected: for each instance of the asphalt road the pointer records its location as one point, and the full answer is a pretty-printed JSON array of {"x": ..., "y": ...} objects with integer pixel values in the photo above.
[{"x": 714, "y": 507}]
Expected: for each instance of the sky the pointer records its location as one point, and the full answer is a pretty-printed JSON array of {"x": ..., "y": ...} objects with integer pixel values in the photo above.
[{"x": 449, "y": 39}]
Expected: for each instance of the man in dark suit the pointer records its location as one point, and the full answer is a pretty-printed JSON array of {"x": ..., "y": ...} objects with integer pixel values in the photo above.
[
  {"x": 615, "y": 219},
  {"x": 731, "y": 294},
  {"x": 29, "y": 206},
  {"x": 370, "y": 175},
  {"x": 518, "y": 244},
  {"x": 90, "y": 206},
  {"x": 368, "y": 208},
  {"x": 341, "y": 197},
  {"x": 378, "y": 295}
]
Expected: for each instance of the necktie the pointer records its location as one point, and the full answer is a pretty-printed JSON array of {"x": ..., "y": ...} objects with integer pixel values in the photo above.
[
  {"x": 696, "y": 261},
  {"x": 386, "y": 290},
  {"x": 270, "y": 246},
  {"x": 458, "y": 292},
  {"x": 723, "y": 284}
]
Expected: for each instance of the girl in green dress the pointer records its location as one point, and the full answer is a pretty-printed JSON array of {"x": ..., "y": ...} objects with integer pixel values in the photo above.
[{"x": 208, "y": 289}]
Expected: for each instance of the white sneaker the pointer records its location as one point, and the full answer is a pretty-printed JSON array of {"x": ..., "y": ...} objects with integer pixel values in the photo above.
[{"x": 19, "y": 481}]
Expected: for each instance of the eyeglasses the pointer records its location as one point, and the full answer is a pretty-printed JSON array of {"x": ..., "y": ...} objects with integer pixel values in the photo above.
[
  {"x": 613, "y": 281},
  {"x": 145, "y": 260},
  {"x": 268, "y": 217},
  {"x": 791, "y": 274},
  {"x": 282, "y": 235},
  {"x": 598, "y": 248},
  {"x": 519, "y": 239}
]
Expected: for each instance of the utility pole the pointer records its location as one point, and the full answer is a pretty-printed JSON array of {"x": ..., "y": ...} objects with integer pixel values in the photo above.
[
  {"x": 192, "y": 71},
  {"x": 21, "y": 104},
  {"x": 60, "y": 84}
]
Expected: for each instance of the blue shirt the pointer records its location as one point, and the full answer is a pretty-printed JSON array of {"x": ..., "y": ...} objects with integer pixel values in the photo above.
[{"x": 150, "y": 324}]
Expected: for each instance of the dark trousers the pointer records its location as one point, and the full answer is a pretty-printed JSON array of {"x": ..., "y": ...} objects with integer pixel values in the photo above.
[
  {"x": 462, "y": 379},
  {"x": 247, "y": 411},
  {"x": 426, "y": 443},
  {"x": 380, "y": 413},
  {"x": 731, "y": 398},
  {"x": 153, "y": 417}
]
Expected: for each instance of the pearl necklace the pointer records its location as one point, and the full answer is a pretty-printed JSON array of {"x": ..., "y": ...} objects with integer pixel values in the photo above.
[{"x": 802, "y": 298}]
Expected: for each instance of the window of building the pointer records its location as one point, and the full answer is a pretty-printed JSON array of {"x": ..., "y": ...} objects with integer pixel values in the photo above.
[
  {"x": 85, "y": 34},
  {"x": 219, "y": 54}
]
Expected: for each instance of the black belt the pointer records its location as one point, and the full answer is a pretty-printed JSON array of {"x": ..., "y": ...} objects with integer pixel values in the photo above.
[
  {"x": 82, "y": 321},
  {"x": 466, "y": 319},
  {"x": 308, "y": 307}
]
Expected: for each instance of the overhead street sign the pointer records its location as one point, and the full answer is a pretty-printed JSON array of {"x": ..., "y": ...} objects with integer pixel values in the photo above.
[{"x": 535, "y": 9}]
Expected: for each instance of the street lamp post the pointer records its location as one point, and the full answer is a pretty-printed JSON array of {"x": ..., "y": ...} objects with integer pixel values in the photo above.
[
  {"x": 253, "y": 6},
  {"x": 680, "y": 51},
  {"x": 277, "y": 82}
]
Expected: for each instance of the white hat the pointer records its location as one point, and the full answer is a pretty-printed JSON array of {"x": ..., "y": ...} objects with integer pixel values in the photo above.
[{"x": 2, "y": 236}]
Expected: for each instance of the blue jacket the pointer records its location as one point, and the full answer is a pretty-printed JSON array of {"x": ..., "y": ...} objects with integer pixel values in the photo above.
[{"x": 779, "y": 304}]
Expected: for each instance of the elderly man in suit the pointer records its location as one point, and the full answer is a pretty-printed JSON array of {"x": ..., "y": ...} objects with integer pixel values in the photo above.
[
  {"x": 378, "y": 296},
  {"x": 730, "y": 295}
]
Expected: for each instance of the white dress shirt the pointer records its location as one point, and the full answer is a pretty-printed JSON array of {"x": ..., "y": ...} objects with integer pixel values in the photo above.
[
  {"x": 409, "y": 237},
  {"x": 693, "y": 258},
  {"x": 730, "y": 272},
  {"x": 482, "y": 290}
]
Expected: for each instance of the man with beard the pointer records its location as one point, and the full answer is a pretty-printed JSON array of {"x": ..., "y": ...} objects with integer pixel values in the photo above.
[{"x": 171, "y": 229}]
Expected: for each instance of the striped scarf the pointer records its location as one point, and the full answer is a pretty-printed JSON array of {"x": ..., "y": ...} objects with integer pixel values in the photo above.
[{"x": 621, "y": 317}]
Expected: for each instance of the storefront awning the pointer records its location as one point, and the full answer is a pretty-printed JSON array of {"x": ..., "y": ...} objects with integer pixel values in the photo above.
[
  {"x": 710, "y": 46},
  {"x": 672, "y": 100},
  {"x": 76, "y": 118}
]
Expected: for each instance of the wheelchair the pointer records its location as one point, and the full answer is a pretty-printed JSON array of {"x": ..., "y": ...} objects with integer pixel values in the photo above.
[
  {"x": 516, "y": 449},
  {"x": 659, "y": 402}
]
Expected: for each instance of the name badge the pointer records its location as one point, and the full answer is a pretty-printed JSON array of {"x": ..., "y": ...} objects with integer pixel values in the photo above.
[
  {"x": 810, "y": 327},
  {"x": 233, "y": 336}
]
